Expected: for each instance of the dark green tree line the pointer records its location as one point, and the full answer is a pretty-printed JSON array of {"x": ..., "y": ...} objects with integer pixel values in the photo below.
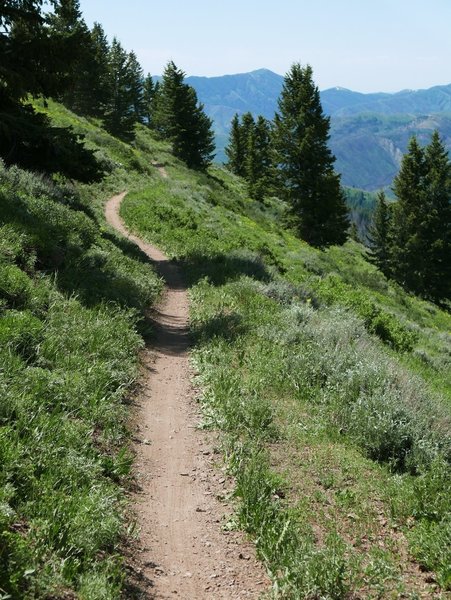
[
  {"x": 249, "y": 153},
  {"x": 179, "y": 117},
  {"x": 38, "y": 53},
  {"x": 411, "y": 239},
  {"x": 292, "y": 156}
]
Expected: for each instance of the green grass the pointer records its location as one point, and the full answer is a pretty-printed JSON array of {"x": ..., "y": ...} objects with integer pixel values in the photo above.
[
  {"x": 71, "y": 299},
  {"x": 330, "y": 385}
]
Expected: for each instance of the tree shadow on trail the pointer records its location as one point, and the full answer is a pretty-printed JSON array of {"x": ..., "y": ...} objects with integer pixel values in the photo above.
[
  {"x": 128, "y": 247},
  {"x": 222, "y": 268},
  {"x": 226, "y": 325}
]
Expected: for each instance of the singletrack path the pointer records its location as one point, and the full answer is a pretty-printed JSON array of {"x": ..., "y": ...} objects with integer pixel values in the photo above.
[{"x": 182, "y": 551}]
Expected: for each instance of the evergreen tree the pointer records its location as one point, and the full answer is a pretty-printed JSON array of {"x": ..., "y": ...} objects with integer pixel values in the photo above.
[
  {"x": 250, "y": 152},
  {"x": 421, "y": 246},
  {"x": 305, "y": 163},
  {"x": 169, "y": 101},
  {"x": 32, "y": 47},
  {"x": 149, "y": 92},
  {"x": 120, "y": 114},
  {"x": 179, "y": 117},
  {"x": 29, "y": 62},
  {"x": 71, "y": 40},
  {"x": 136, "y": 85},
  {"x": 259, "y": 158},
  {"x": 354, "y": 232},
  {"x": 379, "y": 235},
  {"x": 236, "y": 148},
  {"x": 90, "y": 91},
  {"x": 437, "y": 226},
  {"x": 96, "y": 86},
  {"x": 407, "y": 247}
]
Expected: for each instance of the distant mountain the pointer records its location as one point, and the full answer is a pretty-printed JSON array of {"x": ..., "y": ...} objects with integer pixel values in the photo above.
[
  {"x": 369, "y": 132},
  {"x": 369, "y": 147},
  {"x": 256, "y": 92},
  {"x": 340, "y": 102}
]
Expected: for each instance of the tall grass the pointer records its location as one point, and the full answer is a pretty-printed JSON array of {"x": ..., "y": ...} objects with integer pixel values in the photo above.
[{"x": 70, "y": 300}]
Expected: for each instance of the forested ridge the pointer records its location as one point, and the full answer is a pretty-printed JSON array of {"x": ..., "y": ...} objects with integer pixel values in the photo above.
[{"x": 321, "y": 349}]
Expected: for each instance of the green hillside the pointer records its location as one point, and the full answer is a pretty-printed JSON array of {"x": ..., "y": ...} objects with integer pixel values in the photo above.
[
  {"x": 369, "y": 147},
  {"x": 72, "y": 298},
  {"x": 329, "y": 384}
]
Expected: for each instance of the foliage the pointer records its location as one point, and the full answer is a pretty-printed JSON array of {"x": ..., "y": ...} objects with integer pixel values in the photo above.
[
  {"x": 66, "y": 363},
  {"x": 305, "y": 163},
  {"x": 328, "y": 427},
  {"x": 250, "y": 153},
  {"x": 40, "y": 55},
  {"x": 421, "y": 230},
  {"x": 180, "y": 119},
  {"x": 150, "y": 89},
  {"x": 89, "y": 90},
  {"x": 120, "y": 111},
  {"x": 236, "y": 149},
  {"x": 379, "y": 234},
  {"x": 310, "y": 362}
]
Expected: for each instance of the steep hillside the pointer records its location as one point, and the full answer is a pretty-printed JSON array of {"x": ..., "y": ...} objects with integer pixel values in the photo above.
[
  {"x": 369, "y": 147},
  {"x": 413, "y": 102},
  {"x": 72, "y": 298},
  {"x": 224, "y": 96},
  {"x": 258, "y": 91},
  {"x": 330, "y": 386}
]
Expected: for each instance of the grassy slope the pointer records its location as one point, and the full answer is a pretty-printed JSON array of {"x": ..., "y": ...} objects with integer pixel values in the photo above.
[
  {"x": 71, "y": 298},
  {"x": 331, "y": 386},
  {"x": 282, "y": 366}
]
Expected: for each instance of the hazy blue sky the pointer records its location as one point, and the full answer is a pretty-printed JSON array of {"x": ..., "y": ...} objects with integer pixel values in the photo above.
[{"x": 364, "y": 45}]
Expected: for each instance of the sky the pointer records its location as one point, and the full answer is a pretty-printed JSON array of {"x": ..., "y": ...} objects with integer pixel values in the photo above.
[{"x": 363, "y": 45}]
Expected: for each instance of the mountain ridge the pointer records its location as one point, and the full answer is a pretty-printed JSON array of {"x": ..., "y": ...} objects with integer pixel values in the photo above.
[{"x": 368, "y": 150}]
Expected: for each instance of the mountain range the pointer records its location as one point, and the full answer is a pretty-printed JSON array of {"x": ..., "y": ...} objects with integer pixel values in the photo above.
[{"x": 369, "y": 132}]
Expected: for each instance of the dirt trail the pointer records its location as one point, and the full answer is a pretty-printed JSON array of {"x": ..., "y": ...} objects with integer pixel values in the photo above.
[{"x": 182, "y": 551}]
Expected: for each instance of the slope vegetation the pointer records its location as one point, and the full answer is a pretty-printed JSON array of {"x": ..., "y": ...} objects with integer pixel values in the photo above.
[
  {"x": 369, "y": 131},
  {"x": 330, "y": 385},
  {"x": 72, "y": 295}
]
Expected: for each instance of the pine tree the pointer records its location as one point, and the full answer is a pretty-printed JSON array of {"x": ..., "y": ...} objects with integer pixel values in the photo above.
[
  {"x": 179, "y": 117},
  {"x": 305, "y": 163},
  {"x": 407, "y": 253},
  {"x": 90, "y": 92},
  {"x": 98, "y": 73},
  {"x": 421, "y": 233},
  {"x": 71, "y": 40},
  {"x": 136, "y": 86},
  {"x": 250, "y": 153},
  {"x": 258, "y": 160},
  {"x": 236, "y": 148},
  {"x": 149, "y": 92},
  {"x": 169, "y": 101},
  {"x": 437, "y": 225},
  {"x": 379, "y": 235},
  {"x": 120, "y": 116},
  {"x": 31, "y": 62},
  {"x": 38, "y": 52}
]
